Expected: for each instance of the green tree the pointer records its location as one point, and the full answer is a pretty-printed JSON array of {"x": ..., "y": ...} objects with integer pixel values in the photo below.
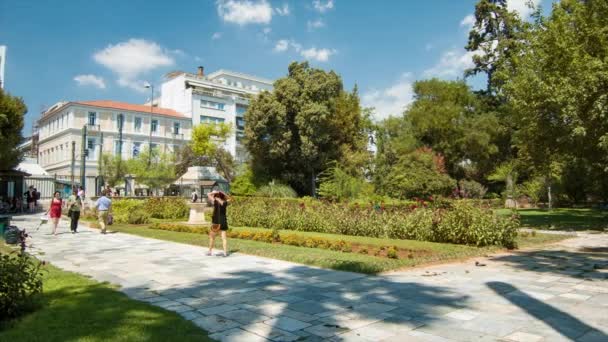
[
  {"x": 114, "y": 169},
  {"x": 418, "y": 174},
  {"x": 558, "y": 90},
  {"x": 497, "y": 37},
  {"x": 153, "y": 168},
  {"x": 447, "y": 117},
  {"x": 244, "y": 183},
  {"x": 12, "y": 113},
  {"x": 308, "y": 120},
  {"x": 206, "y": 149}
]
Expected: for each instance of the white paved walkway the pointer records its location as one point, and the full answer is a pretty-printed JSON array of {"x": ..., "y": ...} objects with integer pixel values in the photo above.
[{"x": 558, "y": 294}]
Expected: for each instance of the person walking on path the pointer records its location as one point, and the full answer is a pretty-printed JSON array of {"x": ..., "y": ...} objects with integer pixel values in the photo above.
[
  {"x": 104, "y": 207},
  {"x": 74, "y": 205},
  {"x": 30, "y": 198},
  {"x": 54, "y": 211},
  {"x": 194, "y": 197},
  {"x": 219, "y": 222}
]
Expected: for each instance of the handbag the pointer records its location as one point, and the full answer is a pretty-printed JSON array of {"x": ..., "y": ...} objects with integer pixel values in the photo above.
[
  {"x": 110, "y": 219},
  {"x": 216, "y": 227}
]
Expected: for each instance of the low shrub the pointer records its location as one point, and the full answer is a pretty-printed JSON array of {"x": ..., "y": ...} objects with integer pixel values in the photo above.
[
  {"x": 456, "y": 221},
  {"x": 122, "y": 208},
  {"x": 167, "y": 207},
  {"x": 391, "y": 252},
  {"x": 138, "y": 217},
  {"x": 20, "y": 282}
]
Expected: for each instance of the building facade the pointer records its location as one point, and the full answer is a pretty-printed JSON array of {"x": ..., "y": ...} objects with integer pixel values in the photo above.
[
  {"x": 62, "y": 126},
  {"x": 222, "y": 96}
]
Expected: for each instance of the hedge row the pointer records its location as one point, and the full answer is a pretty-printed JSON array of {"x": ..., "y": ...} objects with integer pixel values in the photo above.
[
  {"x": 460, "y": 222},
  {"x": 136, "y": 211},
  {"x": 291, "y": 239}
]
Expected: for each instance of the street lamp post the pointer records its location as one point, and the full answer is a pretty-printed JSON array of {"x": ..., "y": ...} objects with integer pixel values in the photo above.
[{"x": 151, "y": 87}]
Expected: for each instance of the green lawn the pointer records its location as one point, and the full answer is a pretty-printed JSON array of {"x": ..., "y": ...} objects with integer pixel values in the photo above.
[
  {"x": 76, "y": 308},
  {"x": 562, "y": 219},
  {"x": 423, "y": 252}
]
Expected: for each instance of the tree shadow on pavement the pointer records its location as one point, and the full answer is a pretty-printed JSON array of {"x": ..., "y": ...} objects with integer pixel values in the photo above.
[
  {"x": 585, "y": 265},
  {"x": 305, "y": 303},
  {"x": 561, "y": 322}
]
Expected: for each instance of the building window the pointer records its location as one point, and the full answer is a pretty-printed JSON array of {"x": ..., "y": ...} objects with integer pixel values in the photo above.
[
  {"x": 176, "y": 128},
  {"x": 211, "y": 119},
  {"x": 91, "y": 148},
  {"x": 240, "y": 110},
  {"x": 92, "y": 118},
  {"x": 137, "y": 124},
  {"x": 117, "y": 147},
  {"x": 212, "y": 105},
  {"x": 154, "y": 126},
  {"x": 136, "y": 149},
  {"x": 240, "y": 123}
]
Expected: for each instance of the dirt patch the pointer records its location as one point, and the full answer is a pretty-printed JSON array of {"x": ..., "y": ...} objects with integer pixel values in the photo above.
[{"x": 383, "y": 252}]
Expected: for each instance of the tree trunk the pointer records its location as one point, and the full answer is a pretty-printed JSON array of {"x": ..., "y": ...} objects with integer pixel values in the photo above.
[
  {"x": 312, "y": 181},
  {"x": 549, "y": 197}
]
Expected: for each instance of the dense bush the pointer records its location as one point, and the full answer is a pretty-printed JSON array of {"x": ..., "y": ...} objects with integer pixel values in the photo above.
[
  {"x": 20, "y": 282},
  {"x": 278, "y": 190},
  {"x": 244, "y": 183},
  {"x": 136, "y": 211},
  {"x": 471, "y": 189},
  {"x": 461, "y": 222},
  {"x": 338, "y": 185},
  {"x": 167, "y": 207}
]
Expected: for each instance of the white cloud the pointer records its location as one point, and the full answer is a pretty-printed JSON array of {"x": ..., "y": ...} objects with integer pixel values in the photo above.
[
  {"x": 319, "y": 55},
  {"x": 243, "y": 12},
  {"x": 90, "y": 80},
  {"x": 312, "y": 25},
  {"x": 282, "y": 11},
  {"x": 133, "y": 58},
  {"x": 282, "y": 45},
  {"x": 391, "y": 101},
  {"x": 522, "y": 8},
  {"x": 216, "y": 36},
  {"x": 451, "y": 64},
  {"x": 468, "y": 21},
  {"x": 321, "y": 6}
]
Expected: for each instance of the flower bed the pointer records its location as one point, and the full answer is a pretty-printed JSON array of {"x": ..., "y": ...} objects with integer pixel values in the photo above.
[
  {"x": 294, "y": 239},
  {"x": 459, "y": 222}
]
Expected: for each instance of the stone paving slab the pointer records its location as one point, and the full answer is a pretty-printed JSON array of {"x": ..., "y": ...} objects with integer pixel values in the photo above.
[{"x": 557, "y": 294}]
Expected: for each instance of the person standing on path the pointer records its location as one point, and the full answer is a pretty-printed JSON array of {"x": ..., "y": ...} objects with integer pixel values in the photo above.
[
  {"x": 55, "y": 210},
  {"x": 29, "y": 198},
  {"x": 220, "y": 202},
  {"x": 104, "y": 206},
  {"x": 74, "y": 205},
  {"x": 194, "y": 196}
]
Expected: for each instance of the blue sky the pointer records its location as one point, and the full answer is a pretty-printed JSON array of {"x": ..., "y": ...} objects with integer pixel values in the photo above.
[{"x": 86, "y": 50}]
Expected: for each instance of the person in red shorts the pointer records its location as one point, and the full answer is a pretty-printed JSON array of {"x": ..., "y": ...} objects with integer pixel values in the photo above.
[{"x": 55, "y": 210}]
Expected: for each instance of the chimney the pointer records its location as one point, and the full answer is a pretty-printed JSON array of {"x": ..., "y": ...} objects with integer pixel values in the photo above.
[{"x": 201, "y": 71}]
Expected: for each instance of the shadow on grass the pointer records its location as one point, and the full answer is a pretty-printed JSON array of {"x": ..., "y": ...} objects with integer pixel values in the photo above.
[
  {"x": 576, "y": 264},
  {"x": 561, "y": 322},
  {"x": 96, "y": 312},
  {"x": 565, "y": 219}
]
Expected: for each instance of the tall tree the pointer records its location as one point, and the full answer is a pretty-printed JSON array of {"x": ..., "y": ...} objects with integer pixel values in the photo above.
[
  {"x": 447, "y": 117},
  {"x": 496, "y": 37},
  {"x": 206, "y": 149},
  {"x": 559, "y": 89},
  {"x": 12, "y": 113},
  {"x": 308, "y": 120}
]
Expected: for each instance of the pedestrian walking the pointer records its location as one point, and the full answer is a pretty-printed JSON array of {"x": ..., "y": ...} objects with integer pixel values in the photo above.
[
  {"x": 74, "y": 205},
  {"x": 104, "y": 208},
  {"x": 30, "y": 198},
  {"x": 194, "y": 196},
  {"x": 54, "y": 211},
  {"x": 219, "y": 222}
]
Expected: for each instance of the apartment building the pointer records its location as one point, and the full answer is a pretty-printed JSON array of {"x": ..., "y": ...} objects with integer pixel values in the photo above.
[
  {"x": 222, "y": 96},
  {"x": 62, "y": 125}
]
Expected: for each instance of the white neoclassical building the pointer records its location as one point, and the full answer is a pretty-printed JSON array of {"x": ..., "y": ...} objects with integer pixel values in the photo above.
[
  {"x": 222, "y": 96},
  {"x": 62, "y": 126}
]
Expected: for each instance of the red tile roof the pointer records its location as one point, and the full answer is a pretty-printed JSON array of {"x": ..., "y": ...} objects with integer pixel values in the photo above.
[{"x": 132, "y": 107}]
